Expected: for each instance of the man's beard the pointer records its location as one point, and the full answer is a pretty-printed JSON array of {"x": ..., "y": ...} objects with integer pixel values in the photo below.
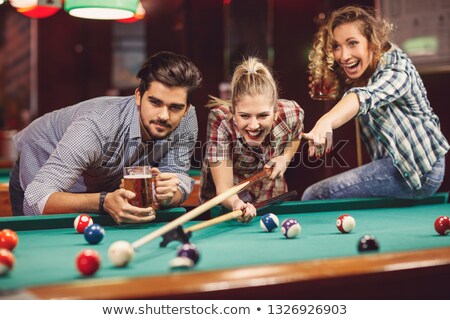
[{"x": 159, "y": 137}]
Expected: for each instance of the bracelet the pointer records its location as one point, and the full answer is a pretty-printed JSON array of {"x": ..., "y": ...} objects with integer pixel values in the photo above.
[{"x": 102, "y": 201}]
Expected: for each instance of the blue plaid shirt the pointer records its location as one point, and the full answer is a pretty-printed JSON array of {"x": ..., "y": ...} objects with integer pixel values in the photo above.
[
  {"x": 83, "y": 149},
  {"x": 397, "y": 119}
]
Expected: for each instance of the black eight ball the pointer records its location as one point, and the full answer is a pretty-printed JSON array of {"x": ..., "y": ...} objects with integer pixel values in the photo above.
[{"x": 368, "y": 243}]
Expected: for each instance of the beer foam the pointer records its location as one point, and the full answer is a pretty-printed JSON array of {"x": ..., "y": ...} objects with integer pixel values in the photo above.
[{"x": 138, "y": 176}]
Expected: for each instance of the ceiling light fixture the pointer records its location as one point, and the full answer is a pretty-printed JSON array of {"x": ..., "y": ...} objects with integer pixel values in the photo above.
[{"x": 101, "y": 9}]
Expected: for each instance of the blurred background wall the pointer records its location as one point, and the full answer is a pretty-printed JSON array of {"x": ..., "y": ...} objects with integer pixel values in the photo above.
[{"x": 53, "y": 62}]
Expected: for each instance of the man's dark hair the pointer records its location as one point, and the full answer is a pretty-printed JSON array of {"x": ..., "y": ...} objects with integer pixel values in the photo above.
[{"x": 170, "y": 69}]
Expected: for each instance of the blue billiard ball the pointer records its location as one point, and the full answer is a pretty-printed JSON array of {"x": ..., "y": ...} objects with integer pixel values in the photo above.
[
  {"x": 94, "y": 233},
  {"x": 269, "y": 222},
  {"x": 290, "y": 228}
]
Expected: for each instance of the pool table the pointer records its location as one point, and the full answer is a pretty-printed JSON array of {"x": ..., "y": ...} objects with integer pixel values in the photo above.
[
  {"x": 241, "y": 261},
  {"x": 5, "y": 204}
]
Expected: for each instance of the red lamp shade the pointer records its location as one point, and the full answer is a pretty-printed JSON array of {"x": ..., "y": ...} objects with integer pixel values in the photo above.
[
  {"x": 139, "y": 15},
  {"x": 38, "y": 12},
  {"x": 37, "y": 8}
]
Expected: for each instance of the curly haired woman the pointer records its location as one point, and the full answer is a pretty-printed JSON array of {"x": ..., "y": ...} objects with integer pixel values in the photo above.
[{"x": 374, "y": 80}]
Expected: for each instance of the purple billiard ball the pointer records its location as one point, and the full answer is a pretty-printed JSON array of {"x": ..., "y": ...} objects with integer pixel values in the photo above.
[
  {"x": 269, "y": 222},
  {"x": 290, "y": 228},
  {"x": 94, "y": 233},
  {"x": 189, "y": 250}
]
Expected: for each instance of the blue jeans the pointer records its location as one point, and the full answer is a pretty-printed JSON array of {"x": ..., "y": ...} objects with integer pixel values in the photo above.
[{"x": 379, "y": 178}]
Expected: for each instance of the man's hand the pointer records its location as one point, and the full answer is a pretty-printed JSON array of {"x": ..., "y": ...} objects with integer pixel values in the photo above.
[
  {"x": 117, "y": 206},
  {"x": 166, "y": 187}
]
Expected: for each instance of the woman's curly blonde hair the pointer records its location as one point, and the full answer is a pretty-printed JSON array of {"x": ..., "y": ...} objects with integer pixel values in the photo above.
[{"x": 322, "y": 64}]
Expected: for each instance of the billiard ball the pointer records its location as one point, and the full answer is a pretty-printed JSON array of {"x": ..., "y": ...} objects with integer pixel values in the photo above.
[
  {"x": 345, "y": 223},
  {"x": 442, "y": 225},
  {"x": 290, "y": 228},
  {"x": 6, "y": 261},
  {"x": 190, "y": 251},
  {"x": 81, "y": 222},
  {"x": 181, "y": 263},
  {"x": 269, "y": 222},
  {"x": 94, "y": 233},
  {"x": 88, "y": 262},
  {"x": 8, "y": 239},
  {"x": 120, "y": 253},
  {"x": 187, "y": 257},
  {"x": 368, "y": 243}
]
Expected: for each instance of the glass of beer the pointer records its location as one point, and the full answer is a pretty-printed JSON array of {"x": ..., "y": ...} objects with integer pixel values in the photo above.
[
  {"x": 139, "y": 180},
  {"x": 320, "y": 89}
]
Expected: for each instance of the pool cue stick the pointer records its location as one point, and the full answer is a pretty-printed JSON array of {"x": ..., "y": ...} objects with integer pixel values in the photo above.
[
  {"x": 178, "y": 234},
  {"x": 190, "y": 215},
  {"x": 234, "y": 214},
  {"x": 358, "y": 143},
  {"x": 264, "y": 173},
  {"x": 278, "y": 199},
  {"x": 211, "y": 222},
  {"x": 178, "y": 231}
]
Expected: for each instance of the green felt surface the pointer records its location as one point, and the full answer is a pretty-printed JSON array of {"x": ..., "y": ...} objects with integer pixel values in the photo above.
[
  {"x": 4, "y": 175},
  {"x": 48, "y": 256}
]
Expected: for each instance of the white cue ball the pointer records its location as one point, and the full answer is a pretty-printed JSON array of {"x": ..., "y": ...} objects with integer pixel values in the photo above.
[{"x": 120, "y": 253}]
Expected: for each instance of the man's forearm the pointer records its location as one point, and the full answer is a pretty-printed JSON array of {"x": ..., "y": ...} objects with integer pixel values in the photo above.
[{"x": 65, "y": 202}]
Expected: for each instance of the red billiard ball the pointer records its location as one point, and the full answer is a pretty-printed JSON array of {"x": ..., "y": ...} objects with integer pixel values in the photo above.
[
  {"x": 8, "y": 239},
  {"x": 88, "y": 262},
  {"x": 345, "y": 223},
  {"x": 442, "y": 225},
  {"x": 82, "y": 222},
  {"x": 6, "y": 261}
]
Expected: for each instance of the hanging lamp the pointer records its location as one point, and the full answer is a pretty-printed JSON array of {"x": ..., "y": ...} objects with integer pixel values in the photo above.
[
  {"x": 37, "y": 8},
  {"x": 101, "y": 9},
  {"x": 139, "y": 15}
]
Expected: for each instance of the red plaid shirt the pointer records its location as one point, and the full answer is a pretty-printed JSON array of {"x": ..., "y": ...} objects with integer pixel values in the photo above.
[{"x": 226, "y": 143}]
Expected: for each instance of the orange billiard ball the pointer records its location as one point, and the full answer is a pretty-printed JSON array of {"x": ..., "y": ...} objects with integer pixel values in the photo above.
[{"x": 8, "y": 239}]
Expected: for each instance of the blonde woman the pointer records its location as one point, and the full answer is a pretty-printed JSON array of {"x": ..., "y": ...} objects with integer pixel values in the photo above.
[
  {"x": 374, "y": 80},
  {"x": 246, "y": 133}
]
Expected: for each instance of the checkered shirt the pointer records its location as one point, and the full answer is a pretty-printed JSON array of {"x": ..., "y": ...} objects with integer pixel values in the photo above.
[
  {"x": 397, "y": 119},
  {"x": 84, "y": 148},
  {"x": 226, "y": 143}
]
